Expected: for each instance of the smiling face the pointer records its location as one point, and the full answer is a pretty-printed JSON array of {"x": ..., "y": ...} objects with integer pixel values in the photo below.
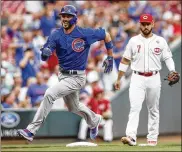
[
  {"x": 146, "y": 28},
  {"x": 65, "y": 21}
]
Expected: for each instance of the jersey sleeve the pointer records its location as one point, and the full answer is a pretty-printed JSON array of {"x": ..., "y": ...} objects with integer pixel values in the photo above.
[
  {"x": 166, "y": 52},
  {"x": 51, "y": 41},
  {"x": 128, "y": 51},
  {"x": 94, "y": 35}
]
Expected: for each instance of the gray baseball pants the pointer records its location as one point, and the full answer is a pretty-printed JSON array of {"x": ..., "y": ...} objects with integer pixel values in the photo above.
[{"x": 68, "y": 88}]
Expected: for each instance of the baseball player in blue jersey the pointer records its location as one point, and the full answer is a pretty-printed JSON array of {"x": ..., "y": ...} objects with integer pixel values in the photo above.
[{"x": 71, "y": 44}]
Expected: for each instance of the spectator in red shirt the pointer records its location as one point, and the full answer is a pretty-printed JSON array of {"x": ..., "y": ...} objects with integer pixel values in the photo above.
[
  {"x": 100, "y": 106},
  {"x": 177, "y": 25}
]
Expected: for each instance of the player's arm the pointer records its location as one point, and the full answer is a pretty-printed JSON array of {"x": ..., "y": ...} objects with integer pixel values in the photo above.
[
  {"x": 108, "y": 63},
  {"x": 173, "y": 76},
  {"x": 167, "y": 57},
  {"x": 98, "y": 35},
  {"x": 123, "y": 66},
  {"x": 49, "y": 46},
  {"x": 170, "y": 64},
  {"x": 109, "y": 44}
]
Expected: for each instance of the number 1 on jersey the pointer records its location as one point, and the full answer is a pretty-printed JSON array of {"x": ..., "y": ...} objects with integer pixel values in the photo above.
[{"x": 138, "y": 46}]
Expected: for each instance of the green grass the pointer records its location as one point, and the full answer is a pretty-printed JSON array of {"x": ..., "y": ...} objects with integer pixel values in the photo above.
[{"x": 102, "y": 146}]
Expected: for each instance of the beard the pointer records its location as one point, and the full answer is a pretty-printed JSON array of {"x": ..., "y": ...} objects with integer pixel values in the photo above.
[
  {"x": 146, "y": 32},
  {"x": 66, "y": 25}
]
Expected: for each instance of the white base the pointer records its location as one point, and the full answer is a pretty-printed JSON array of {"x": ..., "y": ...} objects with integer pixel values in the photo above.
[
  {"x": 81, "y": 144},
  {"x": 143, "y": 145}
]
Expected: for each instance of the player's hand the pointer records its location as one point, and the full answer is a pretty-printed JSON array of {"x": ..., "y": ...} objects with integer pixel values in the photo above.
[
  {"x": 117, "y": 84},
  {"x": 46, "y": 53},
  {"x": 108, "y": 64}
]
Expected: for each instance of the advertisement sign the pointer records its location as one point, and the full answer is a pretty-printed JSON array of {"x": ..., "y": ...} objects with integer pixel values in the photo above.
[{"x": 56, "y": 124}]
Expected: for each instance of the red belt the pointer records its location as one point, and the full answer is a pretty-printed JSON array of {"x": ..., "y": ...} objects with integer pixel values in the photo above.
[{"x": 146, "y": 74}]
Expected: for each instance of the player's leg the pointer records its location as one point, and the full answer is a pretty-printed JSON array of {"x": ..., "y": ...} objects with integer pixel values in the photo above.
[
  {"x": 108, "y": 133},
  {"x": 152, "y": 96},
  {"x": 53, "y": 93},
  {"x": 83, "y": 128},
  {"x": 93, "y": 120},
  {"x": 73, "y": 104},
  {"x": 40, "y": 115},
  {"x": 136, "y": 96}
]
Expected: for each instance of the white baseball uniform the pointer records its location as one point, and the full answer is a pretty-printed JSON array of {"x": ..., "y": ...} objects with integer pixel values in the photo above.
[{"x": 145, "y": 55}]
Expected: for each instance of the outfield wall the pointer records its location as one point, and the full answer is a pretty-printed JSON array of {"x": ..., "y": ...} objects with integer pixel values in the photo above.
[{"x": 59, "y": 123}]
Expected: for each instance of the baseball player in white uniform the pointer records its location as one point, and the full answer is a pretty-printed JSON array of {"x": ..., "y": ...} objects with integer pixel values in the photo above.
[{"x": 145, "y": 52}]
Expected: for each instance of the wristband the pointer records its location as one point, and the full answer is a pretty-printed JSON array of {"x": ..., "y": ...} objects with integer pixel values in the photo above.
[
  {"x": 109, "y": 45},
  {"x": 123, "y": 67}
]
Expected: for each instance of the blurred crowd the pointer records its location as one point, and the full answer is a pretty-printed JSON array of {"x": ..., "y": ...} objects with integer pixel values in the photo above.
[{"x": 25, "y": 26}]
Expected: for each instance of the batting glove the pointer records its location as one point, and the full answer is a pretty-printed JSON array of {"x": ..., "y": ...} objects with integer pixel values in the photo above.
[
  {"x": 108, "y": 64},
  {"x": 46, "y": 53}
]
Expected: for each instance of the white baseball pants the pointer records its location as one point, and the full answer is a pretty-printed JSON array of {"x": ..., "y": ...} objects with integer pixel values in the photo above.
[{"x": 144, "y": 88}]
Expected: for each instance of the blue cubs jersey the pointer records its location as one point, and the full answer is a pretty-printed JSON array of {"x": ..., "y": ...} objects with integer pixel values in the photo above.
[{"x": 72, "y": 49}]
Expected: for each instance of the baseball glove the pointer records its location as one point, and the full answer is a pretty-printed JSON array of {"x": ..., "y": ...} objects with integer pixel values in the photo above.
[{"x": 173, "y": 77}]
